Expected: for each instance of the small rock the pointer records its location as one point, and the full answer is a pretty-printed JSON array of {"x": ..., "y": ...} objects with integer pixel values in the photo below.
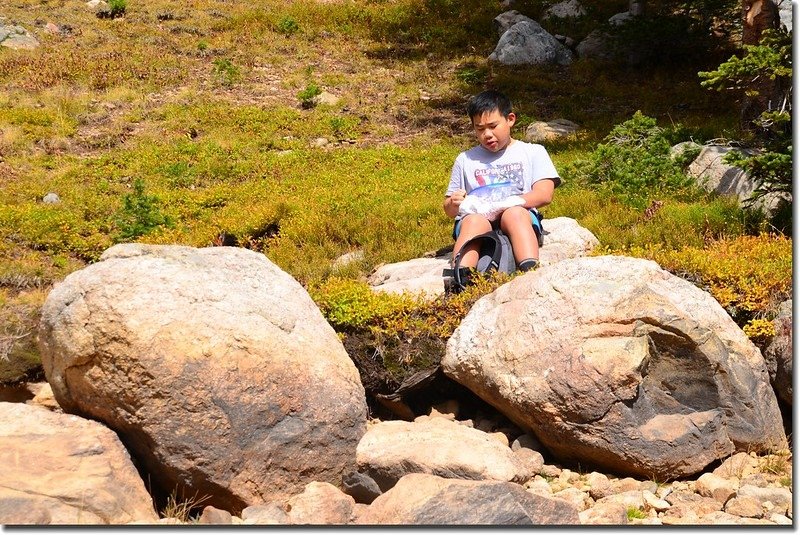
[
  {"x": 538, "y": 132},
  {"x": 526, "y": 441},
  {"x": 531, "y": 461},
  {"x": 549, "y": 470},
  {"x": 348, "y": 258},
  {"x": 740, "y": 465},
  {"x": 326, "y": 98},
  {"x": 212, "y": 515},
  {"x": 780, "y": 519},
  {"x": 320, "y": 142},
  {"x": 581, "y": 500},
  {"x": 361, "y": 487},
  {"x": 744, "y": 506},
  {"x": 51, "y": 198},
  {"x": 599, "y": 484},
  {"x": 655, "y": 502},
  {"x": 269, "y": 514},
  {"x": 539, "y": 486},
  {"x": 605, "y": 514},
  {"x": 716, "y": 487},
  {"x": 780, "y": 498}
]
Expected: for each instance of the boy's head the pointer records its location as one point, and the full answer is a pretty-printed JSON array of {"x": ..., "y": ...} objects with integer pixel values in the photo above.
[{"x": 492, "y": 119}]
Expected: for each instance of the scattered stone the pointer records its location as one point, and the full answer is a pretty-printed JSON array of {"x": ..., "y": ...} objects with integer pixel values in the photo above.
[
  {"x": 684, "y": 503},
  {"x": 737, "y": 466},
  {"x": 564, "y": 10},
  {"x": 392, "y": 449},
  {"x": 349, "y": 258},
  {"x": 540, "y": 131},
  {"x": 270, "y": 514},
  {"x": 63, "y": 469},
  {"x": 527, "y": 43},
  {"x": 361, "y": 487},
  {"x": 581, "y": 500},
  {"x": 51, "y": 198},
  {"x": 17, "y": 38},
  {"x": 539, "y": 485},
  {"x": 713, "y": 174},
  {"x": 605, "y": 513},
  {"x": 780, "y": 498},
  {"x": 325, "y": 98},
  {"x": 620, "y": 18},
  {"x": 747, "y": 506},
  {"x": 781, "y": 520},
  {"x": 526, "y": 441},
  {"x": 531, "y": 460},
  {"x": 423, "y": 499},
  {"x": 320, "y": 142},
  {"x": 716, "y": 487},
  {"x": 599, "y": 485},
  {"x": 550, "y": 470},
  {"x": 654, "y": 502},
  {"x": 43, "y": 396},
  {"x": 504, "y": 21},
  {"x": 320, "y": 504},
  {"x": 448, "y": 409},
  {"x": 212, "y": 515}
]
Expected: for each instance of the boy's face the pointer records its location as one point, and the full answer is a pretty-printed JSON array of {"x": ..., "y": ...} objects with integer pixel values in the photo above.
[{"x": 493, "y": 130}]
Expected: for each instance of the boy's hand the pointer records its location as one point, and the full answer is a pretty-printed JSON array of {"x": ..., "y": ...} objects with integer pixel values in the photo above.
[
  {"x": 458, "y": 197},
  {"x": 452, "y": 202}
]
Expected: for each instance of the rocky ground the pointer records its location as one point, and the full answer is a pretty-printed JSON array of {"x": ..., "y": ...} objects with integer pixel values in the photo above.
[{"x": 745, "y": 489}]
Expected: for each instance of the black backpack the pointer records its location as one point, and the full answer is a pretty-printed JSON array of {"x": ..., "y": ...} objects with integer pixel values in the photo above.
[{"x": 494, "y": 254}]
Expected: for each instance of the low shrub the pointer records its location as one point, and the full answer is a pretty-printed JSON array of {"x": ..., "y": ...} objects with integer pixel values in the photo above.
[
  {"x": 634, "y": 164},
  {"x": 749, "y": 275}
]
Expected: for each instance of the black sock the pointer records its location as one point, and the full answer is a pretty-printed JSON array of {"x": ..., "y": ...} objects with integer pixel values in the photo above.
[{"x": 528, "y": 264}]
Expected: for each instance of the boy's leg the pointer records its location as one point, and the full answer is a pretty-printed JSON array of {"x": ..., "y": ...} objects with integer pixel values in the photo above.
[
  {"x": 516, "y": 224},
  {"x": 471, "y": 226}
]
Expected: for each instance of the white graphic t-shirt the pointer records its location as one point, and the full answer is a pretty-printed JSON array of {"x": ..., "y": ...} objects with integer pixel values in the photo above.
[{"x": 520, "y": 163}]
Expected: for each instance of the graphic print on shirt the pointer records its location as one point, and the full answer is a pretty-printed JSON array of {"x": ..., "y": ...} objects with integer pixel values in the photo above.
[{"x": 511, "y": 172}]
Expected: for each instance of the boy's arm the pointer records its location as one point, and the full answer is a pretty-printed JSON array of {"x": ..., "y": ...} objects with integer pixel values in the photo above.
[{"x": 541, "y": 193}]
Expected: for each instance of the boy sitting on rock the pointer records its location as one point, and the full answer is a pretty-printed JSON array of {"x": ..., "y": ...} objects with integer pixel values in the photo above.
[{"x": 524, "y": 171}]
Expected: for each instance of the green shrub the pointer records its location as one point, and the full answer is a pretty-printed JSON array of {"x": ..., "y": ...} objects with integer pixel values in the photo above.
[
  {"x": 287, "y": 26},
  {"x": 306, "y": 96},
  {"x": 634, "y": 164},
  {"x": 118, "y": 7},
  {"x": 226, "y": 72},
  {"x": 140, "y": 214}
]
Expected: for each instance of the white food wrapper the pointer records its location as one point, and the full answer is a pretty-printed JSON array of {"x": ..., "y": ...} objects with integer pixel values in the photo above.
[{"x": 488, "y": 208}]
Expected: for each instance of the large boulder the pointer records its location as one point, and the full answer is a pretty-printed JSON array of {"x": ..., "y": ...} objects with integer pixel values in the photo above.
[
  {"x": 563, "y": 238},
  {"x": 425, "y": 499},
  {"x": 541, "y": 131},
  {"x": 778, "y": 354},
  {"x": 63, "y": 469},
  {"x": 527, "y": 43},
  {"x": 215, "y": 367},
  {"x": 564, "y": 10},
  {"x": 390, "y": 450},
  {"x": 613, "y": 362},
  {"x": 715, "y": 175},
  {"x": 418, "y": 275}
]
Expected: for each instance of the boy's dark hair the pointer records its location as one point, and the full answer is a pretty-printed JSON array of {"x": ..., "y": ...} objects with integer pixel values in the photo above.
[{"x": 487, "y": 102}]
